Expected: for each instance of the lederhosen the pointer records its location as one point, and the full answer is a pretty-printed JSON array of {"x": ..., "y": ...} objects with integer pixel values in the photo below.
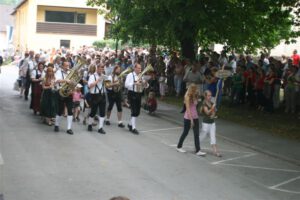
[
  {"x": 135, "y": 99},
  {"x": 98, "y": 101},
  {"x": 64, "y": 101},
  {"x": 114, "y": 96}
]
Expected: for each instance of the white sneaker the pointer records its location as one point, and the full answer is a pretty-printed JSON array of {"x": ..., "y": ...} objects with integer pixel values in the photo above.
[
  {"x": 200, "y": 153},
  {"x": 181, "y": 150}
]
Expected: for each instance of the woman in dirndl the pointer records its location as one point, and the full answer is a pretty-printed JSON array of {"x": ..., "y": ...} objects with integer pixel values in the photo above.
[
  {"x": 36, "y": 79},
  {"x": 48, "y": 101}
]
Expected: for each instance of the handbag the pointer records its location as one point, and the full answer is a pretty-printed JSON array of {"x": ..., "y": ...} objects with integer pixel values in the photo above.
[{"x": 16, "y": 85}]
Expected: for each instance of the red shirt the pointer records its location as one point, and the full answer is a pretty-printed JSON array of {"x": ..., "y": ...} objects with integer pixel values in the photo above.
[
  {"x": 260, "y": 83},
  {"x": 296, "y": 59}
]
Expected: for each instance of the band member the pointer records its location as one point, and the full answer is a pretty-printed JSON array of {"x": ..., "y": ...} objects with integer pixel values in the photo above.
[
  {"x": 135, "y": 86},
  {"x": 114, "y": 94},
  {"x": 61, "y": 75},
  {"x": 98, "y": 99}
]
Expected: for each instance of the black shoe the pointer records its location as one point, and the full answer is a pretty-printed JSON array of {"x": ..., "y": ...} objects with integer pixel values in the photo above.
[
  {"x": 70, "y": 132},
  {"x": 134, "y": 131},
  {"x": 56, "y": 129},
  {"x": 90, "y": 128},
  {"x": 129, "y": 127},
  {"x": 121, "y": 125},
  {"x": 26, "y": 98},
  {"x": 101, "y": 131},
  {"x": 107, "y": 123}
]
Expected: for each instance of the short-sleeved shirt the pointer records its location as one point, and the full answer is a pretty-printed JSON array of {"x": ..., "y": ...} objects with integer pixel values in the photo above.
[
  {"x": 193, "y": 110},
  {"x": 296, "y": 59}
]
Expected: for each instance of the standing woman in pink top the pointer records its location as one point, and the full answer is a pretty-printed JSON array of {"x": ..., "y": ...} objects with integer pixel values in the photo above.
[{"x": 191, "y": 119}]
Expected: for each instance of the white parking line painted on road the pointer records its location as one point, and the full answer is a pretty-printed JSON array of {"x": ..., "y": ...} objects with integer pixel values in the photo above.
[
  {"x": 163, "y": 129},
  {"x": 221, "y": 150},
  {"x": 284, "y": 183},
  {"x": 264, "y": 168},
  {"x": 1, "y": 160},
  {"x": 235, "y": 158}
]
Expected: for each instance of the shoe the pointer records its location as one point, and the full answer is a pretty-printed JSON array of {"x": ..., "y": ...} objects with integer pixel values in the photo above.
[
  {"x": 90, "y": 128},
  {"x": 121, "y": 125},
  {"x": 129, "y": 127},
  {"x": 134, "y": 131},
  {"x": 101, "y": 131},
  {"x": 181, "y": 150},
  {"x": 218, "y": 154},
  {"x": 200, "y": 153},
  {"x": 107, "y": 123},
  {"x": 56, "y": 129},
  {"x": 78, "y": 119},
  {"x": 70, "y": 132},
  {"x": 26, "y": 98}
]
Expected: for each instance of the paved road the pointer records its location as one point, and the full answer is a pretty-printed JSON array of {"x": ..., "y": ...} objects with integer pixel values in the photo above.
[{"x": 37, "y": 163}]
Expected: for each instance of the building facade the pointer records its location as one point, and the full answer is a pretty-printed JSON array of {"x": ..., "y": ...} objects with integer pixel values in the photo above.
[{"x": 47, "y": 24}]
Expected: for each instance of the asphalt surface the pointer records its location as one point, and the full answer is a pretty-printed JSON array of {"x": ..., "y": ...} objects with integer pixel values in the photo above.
[{"x": 37, "y": 163}]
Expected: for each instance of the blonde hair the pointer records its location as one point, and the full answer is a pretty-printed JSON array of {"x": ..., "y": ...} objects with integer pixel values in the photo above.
[{"x": 191, "y": 94}]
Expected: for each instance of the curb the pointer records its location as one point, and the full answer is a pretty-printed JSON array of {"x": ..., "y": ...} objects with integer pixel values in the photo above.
[{"x": 249, "y": 146}]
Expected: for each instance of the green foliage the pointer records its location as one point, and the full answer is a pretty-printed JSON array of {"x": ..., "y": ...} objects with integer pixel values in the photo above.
[
  {"x": 240, "y": 25},
  {"x": 105, "y": 43},
  {"x": 9, "y": 2}
]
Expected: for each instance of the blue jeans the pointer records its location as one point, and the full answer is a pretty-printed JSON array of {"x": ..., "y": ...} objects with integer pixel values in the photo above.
[{"x": 177, "y": 83}]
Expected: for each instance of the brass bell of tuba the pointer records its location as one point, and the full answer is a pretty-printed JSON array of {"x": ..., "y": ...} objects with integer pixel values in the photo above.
[{"x": 74, "y": 77}]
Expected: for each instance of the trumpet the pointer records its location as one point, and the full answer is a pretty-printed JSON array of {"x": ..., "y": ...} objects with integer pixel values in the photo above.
[
  {"x": 107, "y": 83},
  {"x": 140, "y": 87}
]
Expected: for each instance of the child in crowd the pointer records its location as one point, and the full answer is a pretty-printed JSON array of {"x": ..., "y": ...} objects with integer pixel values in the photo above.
[
  {"x": 77, "y": 96},
  {"x": 162, "y": 85},
  {"x": 151, "y": 103}
]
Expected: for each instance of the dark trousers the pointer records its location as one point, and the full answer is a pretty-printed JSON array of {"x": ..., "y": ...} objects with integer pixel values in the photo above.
[
  {"x": 114, "y": 97},
  {"x": 135, "y": 100},
  {"x": 98, "y": 102},
  {"x": 27, "y": 87},
  {"x": 186, "y": 128},
  {"x": 62, "y": 101}
]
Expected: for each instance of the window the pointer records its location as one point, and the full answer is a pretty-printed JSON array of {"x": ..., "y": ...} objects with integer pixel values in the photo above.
[
  {"x": 65, "y": 17},
  {"x": 65, "y": 43}
]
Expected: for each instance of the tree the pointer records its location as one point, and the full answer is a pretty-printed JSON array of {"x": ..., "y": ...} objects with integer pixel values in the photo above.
[{"x": 241, "y": 25}]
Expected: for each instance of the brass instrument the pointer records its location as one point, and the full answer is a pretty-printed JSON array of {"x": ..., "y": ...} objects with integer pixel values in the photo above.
[
  {"x": 74, "y": 77},
  {"x": 107, "y": 83},
  {"x": 140, "y": 87}
]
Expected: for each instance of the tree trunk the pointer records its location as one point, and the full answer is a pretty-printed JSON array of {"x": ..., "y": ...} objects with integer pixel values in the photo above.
[
  {"x": 117, "y": 45},
  {"x": 188, "y": 48}
]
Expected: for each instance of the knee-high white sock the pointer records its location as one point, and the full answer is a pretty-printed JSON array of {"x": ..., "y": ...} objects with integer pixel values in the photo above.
[
  {"x": 133, "y": 122},
  {"x": 70, "y": 120},
  {"x": 101, "y": 122},
  {"x": 57, "y": 120},
  {"x": 91, "y": 119}
]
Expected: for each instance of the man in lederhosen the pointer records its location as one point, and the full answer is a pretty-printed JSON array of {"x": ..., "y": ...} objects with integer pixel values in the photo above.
[
  {"x": 60, "y": 76},
  {"x": 98, "y": 99},
  {"x": 135, "y": 86},
  {"x": 114, "y": 93}
]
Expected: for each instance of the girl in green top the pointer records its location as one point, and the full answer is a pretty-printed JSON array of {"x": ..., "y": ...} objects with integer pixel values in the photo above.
[{"x": 208, "y": 123}]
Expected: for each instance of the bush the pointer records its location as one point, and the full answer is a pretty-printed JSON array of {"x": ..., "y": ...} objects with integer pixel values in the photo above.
[{"x": 105, "y": 43}]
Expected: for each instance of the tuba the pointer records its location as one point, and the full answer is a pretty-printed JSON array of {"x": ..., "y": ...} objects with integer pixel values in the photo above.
[
  {"x": 74, "y": 76},
  {"x": 140, "y": 88}
]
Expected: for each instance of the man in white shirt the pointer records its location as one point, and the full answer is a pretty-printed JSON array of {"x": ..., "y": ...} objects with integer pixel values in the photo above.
[
  {"x": 98, "y": 99},
  {"x": 60, "y": 76},
  {"x": 26, "y": 69},
  {"x": 135, "y": 88}
]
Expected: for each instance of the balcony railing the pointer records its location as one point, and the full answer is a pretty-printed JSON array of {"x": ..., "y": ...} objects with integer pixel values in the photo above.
[{"x": 66, "y": 28}]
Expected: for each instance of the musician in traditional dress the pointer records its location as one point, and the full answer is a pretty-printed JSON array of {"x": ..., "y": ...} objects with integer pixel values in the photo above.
[
  {"x": 98, "y": 99},
  {"x": 60, "y": 76},
  {"x": 114, "y": 94},
  {"x": 135, "y": 85}
]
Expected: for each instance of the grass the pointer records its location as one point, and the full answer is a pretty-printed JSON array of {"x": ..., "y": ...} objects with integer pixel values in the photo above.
[{"x": 278, "y": 123}]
